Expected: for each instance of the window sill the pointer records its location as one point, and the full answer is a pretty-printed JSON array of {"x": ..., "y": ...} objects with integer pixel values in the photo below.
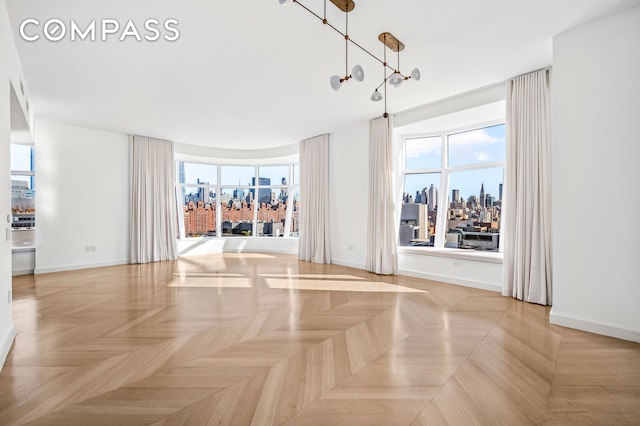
[
  {"x": 225, "y": 237},
  {"x": 29, "y": 249},
  {"x": 475, "y": 256}
]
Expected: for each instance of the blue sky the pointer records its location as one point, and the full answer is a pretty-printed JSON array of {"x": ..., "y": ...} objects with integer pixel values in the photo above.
[
  {"x": 234, "y": 175},
  {"x": 21, "y": 157},
  {"x": 469, "y": 148}
]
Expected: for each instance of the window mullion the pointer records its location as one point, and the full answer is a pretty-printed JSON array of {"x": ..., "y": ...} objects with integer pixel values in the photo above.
[
  {"x": 441, "y": 219},
  {"x": 180, "y": 208},
  {"x": 257, "y": 191},
  {"x": 218, "y": 201},
  {"x": 287, "y": 220},
  {"x": 256, "y": 202}
]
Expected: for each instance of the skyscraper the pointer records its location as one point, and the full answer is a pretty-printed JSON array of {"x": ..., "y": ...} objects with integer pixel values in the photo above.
[
  {"x": 433, "y": 198},
  {"x": 264, "y": 194},
  {"x": 455, "y": 195},
  {"x": 238, "y": 194},
  {"x": 203, "y": 193},
  {"x": 483, "y": 198},
  {"x": 181, "y": 179}
]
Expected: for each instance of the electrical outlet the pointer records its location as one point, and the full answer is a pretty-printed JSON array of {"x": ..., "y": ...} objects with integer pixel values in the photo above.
[{"x": 89, "y": 248}]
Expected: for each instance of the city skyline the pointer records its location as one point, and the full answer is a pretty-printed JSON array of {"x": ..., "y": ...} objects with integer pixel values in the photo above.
[
  {"x": 466, "y": 149},
  {"x": 466, "y": 185},
  {"x": 232, "y": 175}
]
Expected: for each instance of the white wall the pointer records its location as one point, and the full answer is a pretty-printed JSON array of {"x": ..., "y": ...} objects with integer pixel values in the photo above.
[
  {"x": 10, "y": 71},
  {"x": 6, "y": 322},
  {"x": 596, "y": 177},
  {"x": 349, "y": 195},
  {"x": 83, "y": 197},
  {"x": 198, "y": 246},
  {"x": 23, "y": 262},
  {"x": 485, "y": 274}
]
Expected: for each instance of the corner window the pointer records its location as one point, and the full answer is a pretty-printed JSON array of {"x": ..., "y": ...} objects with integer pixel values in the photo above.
[
  {"x": 217, "y": 200},
  {"x": 453, "y": 189}
]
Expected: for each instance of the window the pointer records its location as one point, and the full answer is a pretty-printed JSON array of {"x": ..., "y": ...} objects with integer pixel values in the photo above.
[
  {"x": 273, "y": 195},
  {"x": 23, "y": 192},
  {"x": 294, "y": 229},
  {"x": 197, "y": 198},
  {"x": 453, "y": 189},
  {"x": 237, "y": 201}
]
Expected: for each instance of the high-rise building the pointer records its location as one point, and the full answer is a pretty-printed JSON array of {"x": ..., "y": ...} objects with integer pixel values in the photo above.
[
  {"x": 455, "y": 195},
  {"x": 181, "y": 178},
  {"x": 500, "y": 193},
  {"x": 424, "y": 196},
  {"x": 181, "y": 172},
  {"x": 203, "y": 192},
  {"x": 432, "y": 198},
  {"x": 483, "y": 198},
  {"x": 238, "y": 194},
  {"x": 264, "y": 194}
]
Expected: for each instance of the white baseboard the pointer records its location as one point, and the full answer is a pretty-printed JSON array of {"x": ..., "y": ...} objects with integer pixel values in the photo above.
[
  {"x": 347, "y": 264},
  {"x": 594, "y": 327},
  {"x": 6, "y": 345},
  {"x": 243, "y": 250},
  {"x": 256, "y": 250},
  {"x": 18, "y": 272},
  {"x": 452, "y": 280},
  {"x": 80, "y": 266},
  {"x": 433, "y": 277}
]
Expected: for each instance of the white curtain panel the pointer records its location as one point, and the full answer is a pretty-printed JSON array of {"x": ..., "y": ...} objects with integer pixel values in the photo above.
[
  {"x": 527, "y": 208},
  {"x": 313, "y": 243},
  {"x": 153, "y": 206},
  {"x": 382, "y": 256}
]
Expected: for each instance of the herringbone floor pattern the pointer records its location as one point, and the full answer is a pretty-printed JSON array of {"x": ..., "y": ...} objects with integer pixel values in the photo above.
[{"x": 256, "y": 339}]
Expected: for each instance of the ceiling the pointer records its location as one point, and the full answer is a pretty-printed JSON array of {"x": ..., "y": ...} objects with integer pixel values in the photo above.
[{"x": 254, "y": 74}]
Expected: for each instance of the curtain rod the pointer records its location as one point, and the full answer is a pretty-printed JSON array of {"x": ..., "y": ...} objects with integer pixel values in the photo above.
[{"x": 530, "y": 72}]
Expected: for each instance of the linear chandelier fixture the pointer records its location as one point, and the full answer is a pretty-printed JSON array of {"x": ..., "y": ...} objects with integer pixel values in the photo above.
[{"x": 395, "y": 78}]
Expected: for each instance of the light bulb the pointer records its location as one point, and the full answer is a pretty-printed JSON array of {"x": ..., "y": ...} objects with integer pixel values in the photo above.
[
  {"x": 357, "y": 73},
  {"x": 285, "y": 2},
  {"x": 396, "y": 79},
  {"x": 415, "y": 74},
  {"x": 376, "y": 96},
  {"x": 335, "y": 82}
]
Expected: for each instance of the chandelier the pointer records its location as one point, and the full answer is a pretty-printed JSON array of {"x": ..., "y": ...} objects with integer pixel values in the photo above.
[{"x": 395, "y": 77}]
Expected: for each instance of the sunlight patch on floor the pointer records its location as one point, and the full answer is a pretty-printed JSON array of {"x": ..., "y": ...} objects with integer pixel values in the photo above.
[
  {"x": 215, "y": 282},
  {"x": 337, "y": 285},
  {"x": 312, "y": 276}
]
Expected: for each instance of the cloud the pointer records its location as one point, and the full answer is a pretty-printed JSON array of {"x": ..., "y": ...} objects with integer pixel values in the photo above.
[
  {"x": 474, "y": 137},
  {"x": 418, "y": 147},
  {"x": 476, "y": 146},
  {"x": 482, "y": 156}
]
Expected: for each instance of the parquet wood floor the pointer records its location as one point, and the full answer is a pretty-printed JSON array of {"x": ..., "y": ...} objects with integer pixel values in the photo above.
[{"x": 261, "y": 339}]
